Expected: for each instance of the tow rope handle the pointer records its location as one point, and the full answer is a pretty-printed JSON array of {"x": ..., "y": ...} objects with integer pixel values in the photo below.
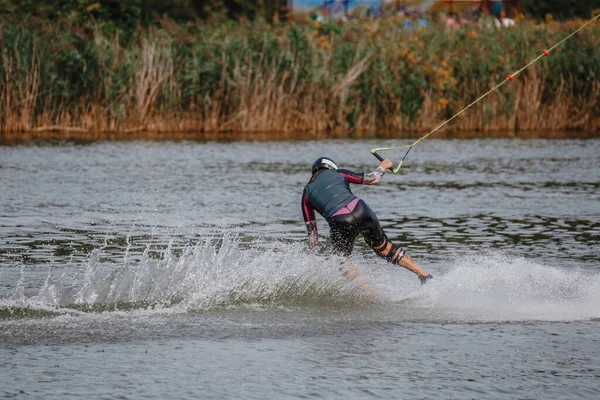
[
  {"x": 394, "y": 170},
  {"x": 377, "y": 156}
]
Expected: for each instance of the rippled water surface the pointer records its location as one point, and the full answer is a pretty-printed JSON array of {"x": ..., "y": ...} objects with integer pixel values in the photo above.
[{"x": 181, "y": 270}]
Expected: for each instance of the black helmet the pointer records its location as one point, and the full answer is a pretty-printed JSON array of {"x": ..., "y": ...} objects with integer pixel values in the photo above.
[{"x": 324, "y": 162}]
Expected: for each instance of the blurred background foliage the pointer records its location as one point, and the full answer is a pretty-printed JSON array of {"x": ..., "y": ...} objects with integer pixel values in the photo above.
[
  {"x": 234, "y": 64},
  {"x": 559, "y": 9},
  {"x": 127, "y": 13}
]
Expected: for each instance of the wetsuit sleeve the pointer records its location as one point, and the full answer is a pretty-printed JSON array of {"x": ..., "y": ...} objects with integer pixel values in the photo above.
[
  {"x": 353, "y": 177},
  {"x": 371, "y": 178},
  {"x": 309, "y": 215}
]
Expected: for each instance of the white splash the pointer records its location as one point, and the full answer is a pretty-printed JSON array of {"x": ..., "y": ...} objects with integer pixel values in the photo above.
[
  {"x": 211, "y": 273},
  {"x": 491, "y": 286},
  {"x": 223, "y": 272}
]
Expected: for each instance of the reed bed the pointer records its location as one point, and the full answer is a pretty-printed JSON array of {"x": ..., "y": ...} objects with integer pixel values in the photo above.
[{"x": 360, "y": 79}]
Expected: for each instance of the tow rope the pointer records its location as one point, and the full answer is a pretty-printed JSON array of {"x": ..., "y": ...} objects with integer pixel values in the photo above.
[{"x": 508, "y": 78}]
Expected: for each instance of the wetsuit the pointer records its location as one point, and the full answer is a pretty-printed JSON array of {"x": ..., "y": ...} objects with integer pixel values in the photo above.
[{"x": 328, "y": 193}]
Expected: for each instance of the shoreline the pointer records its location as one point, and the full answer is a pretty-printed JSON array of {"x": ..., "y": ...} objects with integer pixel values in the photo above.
[{"x": 32, "y": 137}]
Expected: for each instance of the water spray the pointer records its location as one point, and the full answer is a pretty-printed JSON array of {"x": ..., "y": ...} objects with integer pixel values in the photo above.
[{"x": 510, "y": 78}]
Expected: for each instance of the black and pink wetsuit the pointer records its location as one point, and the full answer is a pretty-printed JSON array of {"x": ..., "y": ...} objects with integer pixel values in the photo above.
[{"x": 328, "y": 193}]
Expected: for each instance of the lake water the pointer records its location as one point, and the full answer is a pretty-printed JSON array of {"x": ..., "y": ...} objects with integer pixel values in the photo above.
[{"x": 140, "y": 270}]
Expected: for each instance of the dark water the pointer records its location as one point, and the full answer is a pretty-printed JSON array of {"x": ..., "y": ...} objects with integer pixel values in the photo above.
[{"x": 181, "y": 270}]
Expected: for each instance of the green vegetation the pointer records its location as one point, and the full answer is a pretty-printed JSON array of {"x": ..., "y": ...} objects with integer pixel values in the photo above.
[
  {"x": 112, "y": 73},
  {"x": 559, "y": 9}
]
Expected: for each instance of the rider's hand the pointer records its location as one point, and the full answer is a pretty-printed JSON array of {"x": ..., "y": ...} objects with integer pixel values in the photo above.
[
  {"x": 313, "y": 241},
  {"x": 386, "y": 164}
]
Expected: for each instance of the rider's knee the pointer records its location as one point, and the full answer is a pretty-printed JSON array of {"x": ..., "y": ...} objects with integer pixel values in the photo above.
[{"x": 390, "y": 252}]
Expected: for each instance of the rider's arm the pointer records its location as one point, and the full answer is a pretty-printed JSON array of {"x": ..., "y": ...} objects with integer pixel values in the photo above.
[
  {"x": 373, "y": 178},
  {"x": 310, "y": 219},
  {"x": 370, "y": 178}
]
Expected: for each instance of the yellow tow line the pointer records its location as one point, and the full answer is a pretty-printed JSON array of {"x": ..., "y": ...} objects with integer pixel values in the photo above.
[{"x": 509, "y": 78}]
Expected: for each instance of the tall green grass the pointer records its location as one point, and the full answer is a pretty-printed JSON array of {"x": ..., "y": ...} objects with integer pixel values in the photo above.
[{"x": 359, "y": 79}]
